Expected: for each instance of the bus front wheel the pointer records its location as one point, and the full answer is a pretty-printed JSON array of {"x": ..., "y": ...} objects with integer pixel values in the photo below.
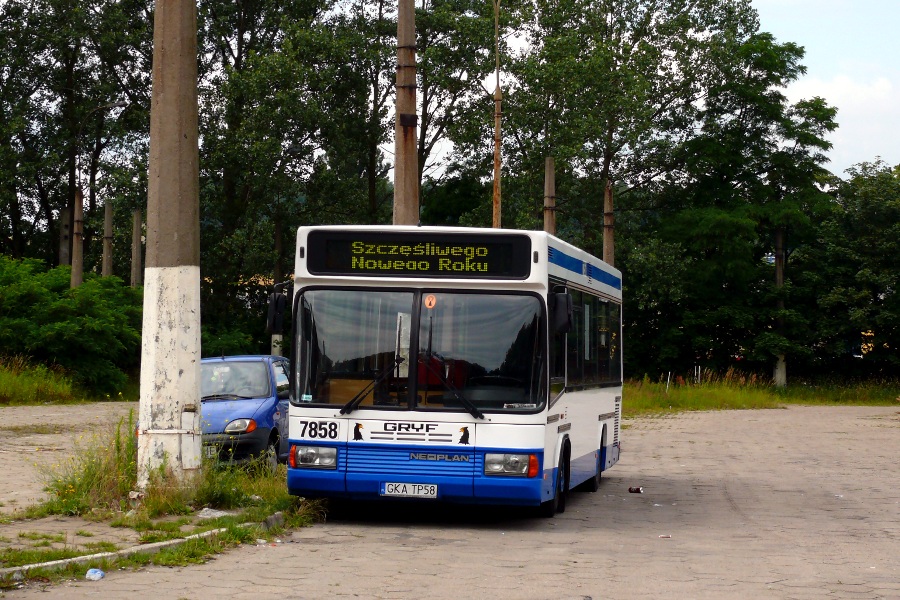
[{"x": 557, "y": 504}]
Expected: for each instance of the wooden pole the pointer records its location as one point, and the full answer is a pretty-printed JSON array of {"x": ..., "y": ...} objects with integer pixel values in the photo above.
[
  {"x": 498, "y": 112},
  {"x": 550, "y": 196},
  {"x": 406, "y": 169},
  {"x": 608, "y": 226}
]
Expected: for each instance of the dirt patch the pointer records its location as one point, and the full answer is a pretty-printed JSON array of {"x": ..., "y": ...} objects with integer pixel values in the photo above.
[{"x": 35, "y": 439}]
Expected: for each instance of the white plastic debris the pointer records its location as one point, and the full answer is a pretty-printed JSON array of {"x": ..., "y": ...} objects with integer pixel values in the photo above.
[
  {"x": 94, "y": 575},
  {"x": 210, "y": 513}
]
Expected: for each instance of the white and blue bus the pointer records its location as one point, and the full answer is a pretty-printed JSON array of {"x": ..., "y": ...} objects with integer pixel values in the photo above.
[{"x": 463, "y": 365}]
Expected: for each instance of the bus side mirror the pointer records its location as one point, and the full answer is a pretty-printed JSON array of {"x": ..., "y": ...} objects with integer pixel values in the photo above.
[
  {"x": 561, "y": 312},
  {"x": 275, "y": 319}
]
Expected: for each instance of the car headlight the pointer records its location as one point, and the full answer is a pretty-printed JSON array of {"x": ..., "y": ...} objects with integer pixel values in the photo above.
[
  {"x": 511, "y": 464},
  {"x": 314, "y": 457},
  {"x": 241, "y": 426}
]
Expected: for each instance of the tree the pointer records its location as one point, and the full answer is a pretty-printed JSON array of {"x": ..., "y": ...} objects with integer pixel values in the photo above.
[
  {"x": 757, "y": 159},
  {"x": 850, "y": 278},
  {"x": 612, "y": 87}
]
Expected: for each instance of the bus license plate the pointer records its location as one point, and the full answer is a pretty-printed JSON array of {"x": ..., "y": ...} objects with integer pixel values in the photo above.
[{"x": 410, "y": 490}]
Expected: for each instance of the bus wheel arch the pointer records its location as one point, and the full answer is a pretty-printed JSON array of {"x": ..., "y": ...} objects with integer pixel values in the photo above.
[{"x": 557, "y": 504}]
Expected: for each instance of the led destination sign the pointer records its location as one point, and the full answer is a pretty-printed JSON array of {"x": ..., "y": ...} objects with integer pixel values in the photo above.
[{"x": 423, "y": 254}]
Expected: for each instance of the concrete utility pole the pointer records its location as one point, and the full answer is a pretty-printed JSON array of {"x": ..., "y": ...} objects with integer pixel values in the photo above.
[
  {"x": 169, "y": 437},
  {"x": 406, "y": 161},
  {"x": 65, "y": 257},
  {"x": 77, "y": 275},
  {"x": 550, "y": 196},
  {"x": 498, "y": 101},
  {"x": 77, "y": 250},
  {"x": 780, "y": 374},
  {"x": 609, "y": 245},
  {"x": 136, "y": 267},
  {"x": 106, "y": 265}
]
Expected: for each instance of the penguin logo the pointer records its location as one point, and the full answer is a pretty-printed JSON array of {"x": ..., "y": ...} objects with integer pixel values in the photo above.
[
  {"x": 357, "y": 434},
  {"x": 464, "y": 438}
]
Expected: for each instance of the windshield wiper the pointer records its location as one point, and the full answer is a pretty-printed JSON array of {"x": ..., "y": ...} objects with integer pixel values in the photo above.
[
  {"x": 220, "y": 397},
  {"x": 381, "y": 376},
  {"x": 473, "y": 410}
]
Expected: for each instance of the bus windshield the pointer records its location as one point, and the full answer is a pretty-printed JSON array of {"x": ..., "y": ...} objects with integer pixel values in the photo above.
[{"x": 466, "y": 351}]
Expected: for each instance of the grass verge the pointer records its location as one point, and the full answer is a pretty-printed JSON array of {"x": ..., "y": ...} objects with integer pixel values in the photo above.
[{"x": 97, "y": 484}]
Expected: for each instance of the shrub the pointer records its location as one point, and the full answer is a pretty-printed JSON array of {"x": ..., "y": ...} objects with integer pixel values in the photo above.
[{"x": 92, "y": 331}]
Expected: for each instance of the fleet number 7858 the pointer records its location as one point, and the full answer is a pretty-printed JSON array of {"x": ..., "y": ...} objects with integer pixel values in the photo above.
[{"x": 319, "y": 429}]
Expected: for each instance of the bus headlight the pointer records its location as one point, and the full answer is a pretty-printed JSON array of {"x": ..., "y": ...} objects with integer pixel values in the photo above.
[
  {"x": 313, "y": 457},
  {"x": 510, "y": 464}
]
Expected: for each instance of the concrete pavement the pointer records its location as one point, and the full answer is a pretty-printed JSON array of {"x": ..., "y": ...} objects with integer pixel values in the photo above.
[{"x": 800, "y": 503}]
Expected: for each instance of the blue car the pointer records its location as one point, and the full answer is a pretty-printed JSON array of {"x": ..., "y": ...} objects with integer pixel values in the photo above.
[{"x": 244, "y": 408}]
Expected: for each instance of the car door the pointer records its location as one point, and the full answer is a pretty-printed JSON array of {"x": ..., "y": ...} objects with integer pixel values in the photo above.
[{"x": 282, "y": 388}]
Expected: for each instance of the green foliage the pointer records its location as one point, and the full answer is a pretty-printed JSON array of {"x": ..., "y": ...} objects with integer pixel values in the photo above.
[
  {"x": 227, "y": 342},
  {"x": 92, "y": 331},
  {"x": 849, "y": 279},
  {"x": 680, "y": 106}
]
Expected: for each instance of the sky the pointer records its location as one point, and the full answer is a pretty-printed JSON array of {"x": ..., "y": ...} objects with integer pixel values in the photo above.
[{"x": 853, "y": 62}]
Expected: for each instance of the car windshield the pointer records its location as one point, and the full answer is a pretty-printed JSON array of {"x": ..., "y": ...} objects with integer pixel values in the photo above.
[
  {"x": 466, "y": 351},
  {"x": 233, "y": 379}
]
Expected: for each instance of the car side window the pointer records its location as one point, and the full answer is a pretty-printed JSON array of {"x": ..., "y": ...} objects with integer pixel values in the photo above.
[{"x": 282, "y": 381}]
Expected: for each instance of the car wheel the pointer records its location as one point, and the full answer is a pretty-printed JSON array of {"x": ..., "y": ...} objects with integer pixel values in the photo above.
[{"x": 271, "y": 456}]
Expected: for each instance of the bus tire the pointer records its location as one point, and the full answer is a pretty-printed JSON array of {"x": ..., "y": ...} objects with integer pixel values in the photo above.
[
  {"x": 557, "y": 504},
  {"x": 593, "y": 484}
]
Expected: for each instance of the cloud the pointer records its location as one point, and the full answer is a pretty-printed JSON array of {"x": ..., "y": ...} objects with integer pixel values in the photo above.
[
  {"x": 842, "y": 91},
  {"x": 868, "y": 117}
]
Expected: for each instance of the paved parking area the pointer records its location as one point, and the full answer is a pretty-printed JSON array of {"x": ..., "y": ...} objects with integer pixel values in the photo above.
[{"x": 802, "y": 502}]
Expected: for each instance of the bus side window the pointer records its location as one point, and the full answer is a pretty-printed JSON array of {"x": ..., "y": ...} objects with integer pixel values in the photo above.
[{"x": 559, "y": 303}]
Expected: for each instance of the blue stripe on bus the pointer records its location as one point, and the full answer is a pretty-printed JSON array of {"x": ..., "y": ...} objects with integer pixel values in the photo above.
[{"x": 576, "y": 265}]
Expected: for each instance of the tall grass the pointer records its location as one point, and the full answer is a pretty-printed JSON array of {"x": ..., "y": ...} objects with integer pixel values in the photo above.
[
  {"x": 24, "y": 383},
  {"x": 736, "y": 390},
  {"x": 97, "y": 475}
]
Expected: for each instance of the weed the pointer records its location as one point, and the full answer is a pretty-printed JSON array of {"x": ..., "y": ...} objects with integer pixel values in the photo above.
[
  {"x": 96, "y": 477},
  {"x": 96, "y": 547},
  {"x": 37, "y": 535}
]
